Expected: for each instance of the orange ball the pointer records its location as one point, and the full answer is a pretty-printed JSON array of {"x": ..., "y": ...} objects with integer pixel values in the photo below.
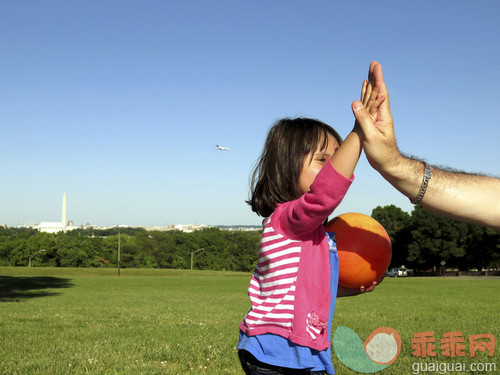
[{"x": 364, "y": 249}]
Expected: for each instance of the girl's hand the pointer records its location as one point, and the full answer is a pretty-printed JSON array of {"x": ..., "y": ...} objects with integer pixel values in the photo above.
[
  {"x": 348, "y": 292},
  {"x": 371, "y": 98},
  {"x": 371, "y": 101}
]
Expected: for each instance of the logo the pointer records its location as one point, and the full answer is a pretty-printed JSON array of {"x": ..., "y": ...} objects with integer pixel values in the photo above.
[{"x": 380, "y": 349}]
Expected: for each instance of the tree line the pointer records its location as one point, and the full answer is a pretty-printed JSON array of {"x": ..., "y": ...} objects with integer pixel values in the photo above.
[
  {"x": 421, "y": 240},
  {"x": 222, "y": 250}
]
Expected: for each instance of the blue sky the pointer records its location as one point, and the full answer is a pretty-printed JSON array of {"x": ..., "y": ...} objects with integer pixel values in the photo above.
[{"x": 120, "y": 104}]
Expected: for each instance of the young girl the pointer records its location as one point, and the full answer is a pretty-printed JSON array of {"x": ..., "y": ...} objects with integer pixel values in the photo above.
[{"x": 302, "y": 175}]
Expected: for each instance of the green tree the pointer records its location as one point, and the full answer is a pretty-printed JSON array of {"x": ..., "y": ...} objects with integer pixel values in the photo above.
[
  {"x": 436, "y": 239},
  {"x": 483, "y": 248},
  {"x": 397, "y": 224}
]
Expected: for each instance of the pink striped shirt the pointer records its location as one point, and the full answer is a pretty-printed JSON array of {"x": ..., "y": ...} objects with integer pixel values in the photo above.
[{"x": 289, "y": 289}]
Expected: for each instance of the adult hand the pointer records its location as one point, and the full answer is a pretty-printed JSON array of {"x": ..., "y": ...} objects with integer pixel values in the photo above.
[{"x": 379, "y": 140}]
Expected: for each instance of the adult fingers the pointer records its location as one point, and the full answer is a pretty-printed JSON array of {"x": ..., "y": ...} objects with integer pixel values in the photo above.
[{"x": 363, "y": 118}]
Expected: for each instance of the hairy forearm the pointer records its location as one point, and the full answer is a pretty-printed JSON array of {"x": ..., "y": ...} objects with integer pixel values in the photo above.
[
  {"x": 466, "y": 197},
  {"x": 460, "y": 196}
]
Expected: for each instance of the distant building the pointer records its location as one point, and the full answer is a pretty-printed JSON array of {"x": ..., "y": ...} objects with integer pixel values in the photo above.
[
  {"x": 187, "y": 228},
  {"x": 51, "y": 226},
  {"x": 57, "y": 226}
]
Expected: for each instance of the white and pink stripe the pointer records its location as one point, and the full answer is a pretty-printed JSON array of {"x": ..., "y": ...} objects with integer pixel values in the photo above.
[{"x": 272, "y": 287}]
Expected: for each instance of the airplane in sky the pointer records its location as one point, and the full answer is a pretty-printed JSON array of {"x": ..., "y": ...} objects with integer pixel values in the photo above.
[{"x": 222, "y": 148}]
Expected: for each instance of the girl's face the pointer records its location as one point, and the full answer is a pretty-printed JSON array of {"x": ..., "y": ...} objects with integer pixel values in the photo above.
[{"x": 313, "y": 163}]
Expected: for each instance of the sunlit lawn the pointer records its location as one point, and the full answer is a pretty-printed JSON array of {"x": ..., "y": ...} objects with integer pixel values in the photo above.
[{"x": 77, "y": 321}]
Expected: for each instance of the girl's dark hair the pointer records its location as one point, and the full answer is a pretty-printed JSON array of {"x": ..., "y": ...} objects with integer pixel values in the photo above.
[{"x": 275, "y": 178}]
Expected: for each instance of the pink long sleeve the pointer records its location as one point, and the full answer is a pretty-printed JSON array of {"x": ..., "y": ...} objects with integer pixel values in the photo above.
[{"x": 307, "y": 213}]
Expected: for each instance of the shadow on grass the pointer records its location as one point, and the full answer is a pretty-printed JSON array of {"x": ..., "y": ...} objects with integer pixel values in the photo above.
[{"x": 17, "y": 288}]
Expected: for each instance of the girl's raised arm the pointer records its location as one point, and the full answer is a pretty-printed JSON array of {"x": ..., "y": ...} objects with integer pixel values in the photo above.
[{"x": 345, "y": 159}]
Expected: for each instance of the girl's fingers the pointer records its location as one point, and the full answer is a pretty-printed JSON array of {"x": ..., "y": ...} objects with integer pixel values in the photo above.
[
  {"x": 363, "y": 90},
  {"x": 368, "y": 94}
]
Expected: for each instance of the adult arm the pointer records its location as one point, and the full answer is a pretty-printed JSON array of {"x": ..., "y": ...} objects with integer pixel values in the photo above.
[
  {"x": 457, "y": 195},
  {"x": 460, "y": 196}
]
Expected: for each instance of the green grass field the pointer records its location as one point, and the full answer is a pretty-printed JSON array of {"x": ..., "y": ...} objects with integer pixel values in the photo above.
[{"x": 88, "y": 321}]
